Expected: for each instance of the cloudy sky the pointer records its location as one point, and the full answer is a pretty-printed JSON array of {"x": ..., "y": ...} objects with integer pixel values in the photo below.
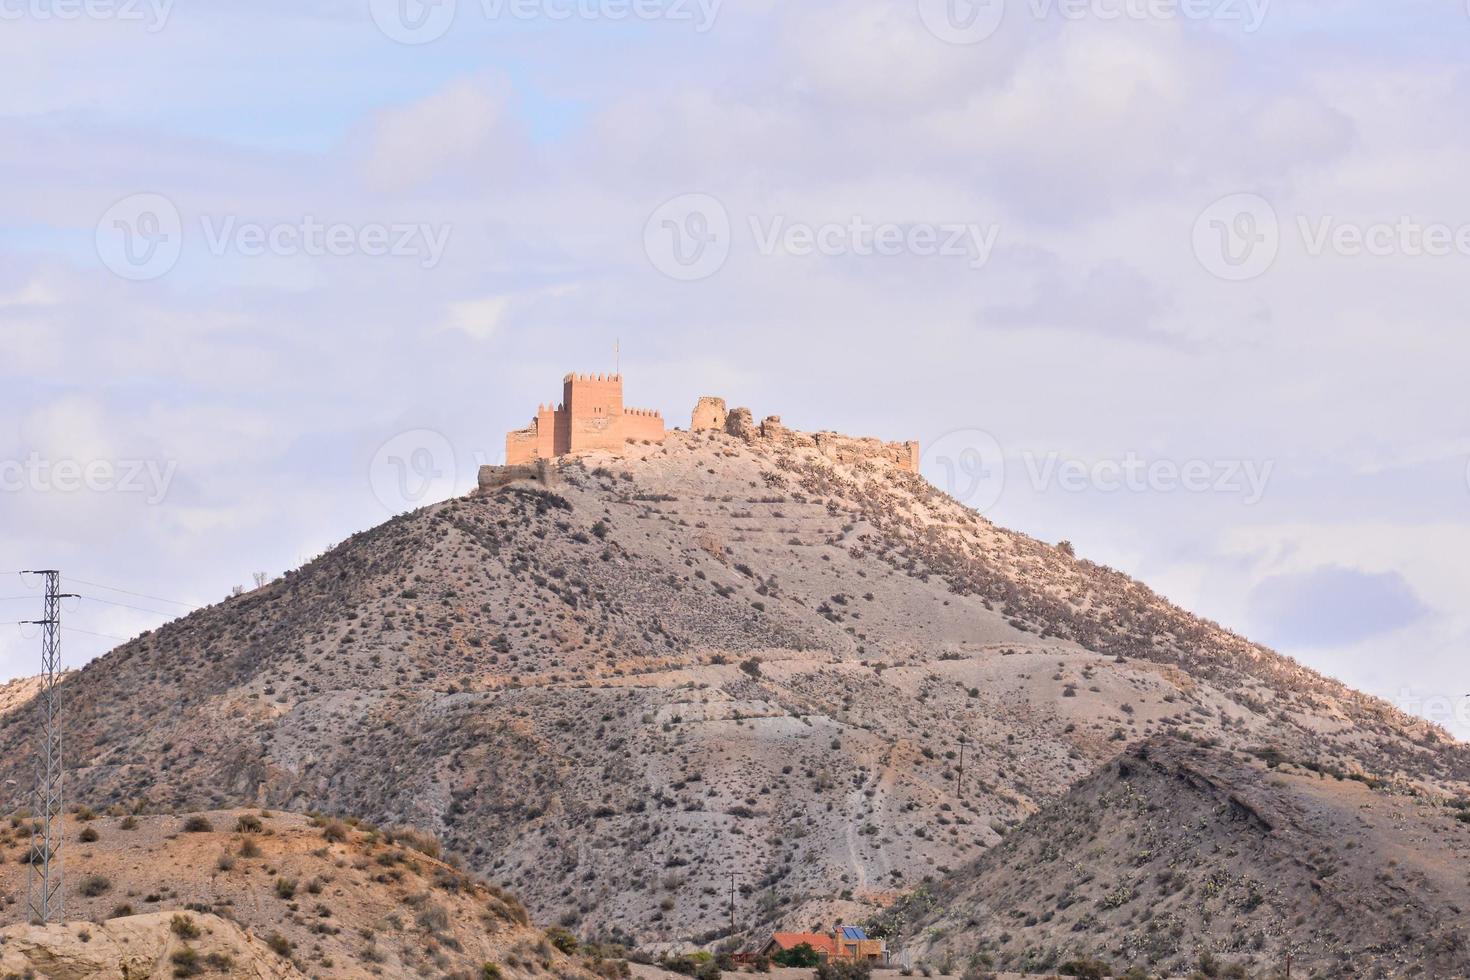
[{"x": 1181, "y": 282}]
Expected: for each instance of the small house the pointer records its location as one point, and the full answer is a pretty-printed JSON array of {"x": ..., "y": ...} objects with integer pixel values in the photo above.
[{"x": 844, "y": 943}]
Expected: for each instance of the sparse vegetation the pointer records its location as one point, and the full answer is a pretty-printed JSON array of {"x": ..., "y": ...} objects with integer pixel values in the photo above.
[
  {"x": 184, "y": 927},
  {"x": 92, "y": 886}
]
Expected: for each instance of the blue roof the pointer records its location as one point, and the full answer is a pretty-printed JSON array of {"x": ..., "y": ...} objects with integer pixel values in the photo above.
[{"x": 853, "y": 932}]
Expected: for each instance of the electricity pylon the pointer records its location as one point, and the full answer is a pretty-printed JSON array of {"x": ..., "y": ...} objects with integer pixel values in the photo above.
[{"x": 44, "y": 877}]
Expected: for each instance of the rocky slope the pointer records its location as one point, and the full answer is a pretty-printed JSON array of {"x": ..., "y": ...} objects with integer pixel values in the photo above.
[
  {"x": 254, "y": 893},
  {"x": 18, "y": 693},
  {"x": 727, "y": 654},
  {"x": 140, "y": 947},
  {"x": 1174, "y": 852}
]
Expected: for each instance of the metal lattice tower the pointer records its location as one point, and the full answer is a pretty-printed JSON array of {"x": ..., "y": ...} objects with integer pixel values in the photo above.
[{"x": 45, "y": 876}]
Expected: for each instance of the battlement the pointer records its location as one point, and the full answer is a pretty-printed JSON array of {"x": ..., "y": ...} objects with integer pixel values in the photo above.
[{"x": 590, "y": 416}]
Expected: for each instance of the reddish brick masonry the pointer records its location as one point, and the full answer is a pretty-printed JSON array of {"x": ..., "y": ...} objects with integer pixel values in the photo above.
[{"x": 591, "y": 416}]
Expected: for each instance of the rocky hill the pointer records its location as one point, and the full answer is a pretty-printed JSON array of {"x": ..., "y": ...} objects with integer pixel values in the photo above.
[
  {"x": 140, "y": 947},
  {"x": 255, "y": 893},
  {"x": 759, "y": 654},
  {"x": 1175, "y": 856}
]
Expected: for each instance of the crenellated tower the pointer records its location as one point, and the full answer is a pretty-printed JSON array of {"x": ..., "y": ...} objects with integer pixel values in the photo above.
[{"x": 591, "y": 416}]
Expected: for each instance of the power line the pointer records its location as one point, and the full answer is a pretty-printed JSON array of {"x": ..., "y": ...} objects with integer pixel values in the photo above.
[
  {"x": 135, "y": 595},
  {"x": 124, "y": 605},
  {"x": 105, "y": 636}
]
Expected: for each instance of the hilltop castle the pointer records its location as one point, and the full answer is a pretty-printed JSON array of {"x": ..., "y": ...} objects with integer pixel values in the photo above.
[{"x": 591, "y": 416}]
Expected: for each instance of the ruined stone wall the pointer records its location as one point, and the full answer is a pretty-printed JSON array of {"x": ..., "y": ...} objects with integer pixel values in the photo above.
[
  {"x": 909, "y": 455},
  {"x": 709, "y": 414},
  {"x": 539, "y": 470},
  {"x": 847, "y": 449},
  {"x": 521, "y": 446},
  {"x": 740, "y": 422}
]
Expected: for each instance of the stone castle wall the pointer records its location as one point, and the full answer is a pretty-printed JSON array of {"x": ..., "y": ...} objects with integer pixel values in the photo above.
[
  {"x": 591, "y": 416},
  {"x": 539, "y": 471},
  {"x": 643, "y": 426}
]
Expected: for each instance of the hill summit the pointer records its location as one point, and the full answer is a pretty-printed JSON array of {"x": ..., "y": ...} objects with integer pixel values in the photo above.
[{"x": 617, "y": 681}]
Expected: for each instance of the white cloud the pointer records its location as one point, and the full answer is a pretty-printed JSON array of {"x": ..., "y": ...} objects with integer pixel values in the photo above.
[
  {"x": 463, "y": 127},
  {"x": 479, "y": 318}
]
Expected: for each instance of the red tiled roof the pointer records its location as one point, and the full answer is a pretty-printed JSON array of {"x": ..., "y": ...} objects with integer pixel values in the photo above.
[{"x": 817, "y": 941}]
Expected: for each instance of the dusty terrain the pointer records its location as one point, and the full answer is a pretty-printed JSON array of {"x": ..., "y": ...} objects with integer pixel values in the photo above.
[
  {"x": 292, "y": 896},
  {"x": 17, "y": 693},
  {"x": 1175, "y": 850},
  {"x": 140, "y": 947},
  {"x": 717, "y": 656}
]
